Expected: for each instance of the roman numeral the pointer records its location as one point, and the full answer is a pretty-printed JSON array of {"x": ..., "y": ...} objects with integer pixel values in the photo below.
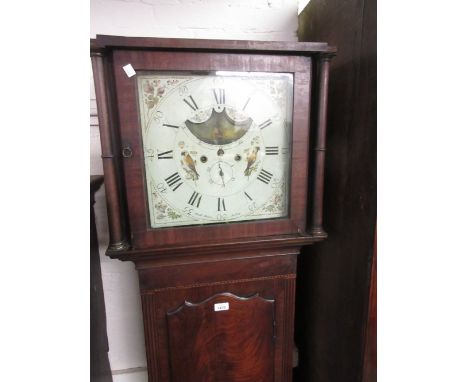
[
  {"x": 272, "y": 150},
  {"x": 220, "y": 96},
  {"x": 174, "y": 181},
  {"x": 267, "y": 123},
  {"x": 191, "y": 103},
  {"x": 246, "y": 103},
  {"x": 173, "y": 126},
  {"x": 195, "y": 198},
  {"x": 246, "y": 194},
  {"x": 165, "y": 155},
  {"x": 264, "y": 176},
  {"x": 221, "y": 205}
]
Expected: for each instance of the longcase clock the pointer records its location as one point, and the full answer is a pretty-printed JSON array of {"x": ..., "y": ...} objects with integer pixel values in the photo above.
[{"x": 213, "y": 156}]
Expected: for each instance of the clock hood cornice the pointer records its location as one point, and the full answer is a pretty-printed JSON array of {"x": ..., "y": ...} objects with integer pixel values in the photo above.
[{"x": 206, "y": 45}]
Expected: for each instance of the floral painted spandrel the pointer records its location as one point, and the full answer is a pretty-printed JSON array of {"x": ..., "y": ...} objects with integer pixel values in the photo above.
[
  {"x": 277, "y": 203},
  {"x": 153, "y": 91},
  {"x": 161, "y": 209}
]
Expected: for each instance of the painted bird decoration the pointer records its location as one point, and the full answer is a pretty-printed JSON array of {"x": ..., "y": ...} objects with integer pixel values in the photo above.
[
  {"x": 251, "y": 159},
  {"x": 189, "y": 165}
]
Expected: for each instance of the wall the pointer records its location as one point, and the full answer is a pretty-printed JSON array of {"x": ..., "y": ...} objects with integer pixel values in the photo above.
[
  {"x": 219, "y": 19},
  {"x": 333, "y": 280}
]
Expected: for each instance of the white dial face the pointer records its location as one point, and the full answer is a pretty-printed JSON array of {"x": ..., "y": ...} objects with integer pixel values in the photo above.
[{"x": 217, "y": 146}]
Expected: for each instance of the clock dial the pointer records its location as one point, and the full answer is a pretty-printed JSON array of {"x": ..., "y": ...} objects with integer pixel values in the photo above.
[{"x": 217, "y": 146}]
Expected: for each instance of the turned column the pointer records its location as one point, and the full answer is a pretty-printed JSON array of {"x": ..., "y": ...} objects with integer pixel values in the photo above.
[{"x": 318, "y": 152}]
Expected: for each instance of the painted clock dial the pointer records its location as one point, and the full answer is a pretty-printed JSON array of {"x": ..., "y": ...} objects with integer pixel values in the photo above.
[{"x": 216, "y": 146}]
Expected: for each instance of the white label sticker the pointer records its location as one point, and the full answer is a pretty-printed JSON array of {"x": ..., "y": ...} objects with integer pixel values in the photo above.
[
  {"x": 129, "y": 70},
  {"x": 221, "y": 306}
]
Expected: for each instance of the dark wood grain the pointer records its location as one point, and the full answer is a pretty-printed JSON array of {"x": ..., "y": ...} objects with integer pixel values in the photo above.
[
  {"x": 206, "y": 263},
  {"x": 165, "y": 287},
  {"x": 334, "y": 275},
  {"x": 102, "y": 86},
  {"x": 204, "y": 251},
  {"x": 166, "y": 275},
  {"x": 142, "y": 235},
  {"x": 239, "y": 46},
  {"x": 369, "y": 369},
  {"x": 157, "y": 303},
  {"x": 319, "y": 145},
  {"x": 236, "y": 345}
]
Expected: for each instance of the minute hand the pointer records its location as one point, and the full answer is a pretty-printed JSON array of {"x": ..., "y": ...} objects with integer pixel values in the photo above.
[{"x": 221, "y": 174}]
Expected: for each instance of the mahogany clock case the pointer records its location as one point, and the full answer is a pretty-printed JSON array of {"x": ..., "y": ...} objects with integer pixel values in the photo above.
[
  {"x": 142, "y": 235},
  {"x": 231, "y": 56},
  {"x": 184, "y": 272}
]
